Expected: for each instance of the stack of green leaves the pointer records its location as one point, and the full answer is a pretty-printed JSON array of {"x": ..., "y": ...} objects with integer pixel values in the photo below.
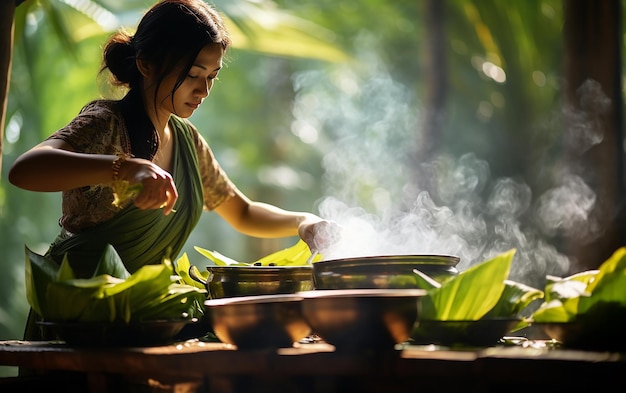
[
  {"x": 481, "y": 291},
  {"x": 594, "y": 293},
  {"x": 296, "y": 255},
  {"x": 112, "y": 294},
  {"x": 182, "y": 266}
]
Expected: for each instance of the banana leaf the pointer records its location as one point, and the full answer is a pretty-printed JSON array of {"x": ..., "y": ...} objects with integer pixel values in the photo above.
[
  {"x": 65, "y": 271},
  {"x": 572, "y": 297},
  {"x": 219, "y": 259},
  {"x": 78, "y": 299},
  {"x": 179, "y": 302},
  {"x": 182, "y": 267},
  {"x": 515, "y": 298},
  {"x": 471, "y": 294},
  {"x": 39, "y": 273},
  {"x": 152, "y": 292},
  {"x": 110, "y": 263},
  {"x": 424, "y": 281},
  {"x": 296, "y": 255}
]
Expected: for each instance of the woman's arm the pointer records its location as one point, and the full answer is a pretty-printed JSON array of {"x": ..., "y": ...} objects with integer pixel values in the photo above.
[
  {"x": 53, "y": 166},
  {"x": 268, "y": 221}
]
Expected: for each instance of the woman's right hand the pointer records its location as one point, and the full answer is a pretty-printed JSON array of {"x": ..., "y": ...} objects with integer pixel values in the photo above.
[{"x": 158, "y": 188}]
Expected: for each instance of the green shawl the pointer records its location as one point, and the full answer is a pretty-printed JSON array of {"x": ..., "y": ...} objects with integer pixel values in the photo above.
[{"x": 143, "y": 237}]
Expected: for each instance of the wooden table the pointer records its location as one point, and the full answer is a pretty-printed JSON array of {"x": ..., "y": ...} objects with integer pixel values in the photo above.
[{"x": 197, "y": 366}]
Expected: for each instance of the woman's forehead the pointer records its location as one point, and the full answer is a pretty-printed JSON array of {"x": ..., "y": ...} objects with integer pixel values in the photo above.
[{"x": 210, "y": 57}]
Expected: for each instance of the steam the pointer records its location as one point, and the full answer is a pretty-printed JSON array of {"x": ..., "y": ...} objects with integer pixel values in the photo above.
[{"x": 372, "y": 193}]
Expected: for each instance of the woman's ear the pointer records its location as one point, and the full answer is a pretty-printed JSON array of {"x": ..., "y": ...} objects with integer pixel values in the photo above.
[{"x": 144, "y": 67}]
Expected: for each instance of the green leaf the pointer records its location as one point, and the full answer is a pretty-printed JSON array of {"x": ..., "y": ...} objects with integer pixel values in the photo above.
[
  {"x": 110, "y": 263},
  {"x": 219, "y": 259},
  {"x": 470, "y": 294},
  {"x": 39, "y": 273},
  {"x": 556, "y": 311},
  {"x": 71, "y": 300},
  {"x": 177, "y": 303},
  {"x": 152, "y": 292},
  {"x": 575, "y": 296},
  {"x": 515, "y": 298},
  {"x": 65, "y": 271},
  {"x": 255, "y": 26},
  {"x": 613, "y": 267},
  {"x": 298, "y": 254},
  {"x": 182, "y": 267},
  {"x": 424, "y": 281}
]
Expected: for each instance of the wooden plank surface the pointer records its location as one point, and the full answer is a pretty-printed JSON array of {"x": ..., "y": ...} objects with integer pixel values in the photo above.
[{"x": 319, "y": 368}]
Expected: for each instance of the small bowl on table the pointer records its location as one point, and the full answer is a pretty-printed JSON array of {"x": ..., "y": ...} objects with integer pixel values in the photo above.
[
  {"x": 362, "y": 319},
  {"x": 257, "y": 321}
]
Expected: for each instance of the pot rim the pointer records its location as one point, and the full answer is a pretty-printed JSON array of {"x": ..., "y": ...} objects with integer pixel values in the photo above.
[
  {"x": 431, "y": 259},
  {"x": 254, "y": 299},
  {"x": 363, "y": 292},
  {"x": 256, "y": 269}
]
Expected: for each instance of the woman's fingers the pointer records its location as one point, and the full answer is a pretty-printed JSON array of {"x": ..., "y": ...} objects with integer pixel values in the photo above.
[
  {"x": 159, "y": 190},
  {"x": 321, "y": 235}
]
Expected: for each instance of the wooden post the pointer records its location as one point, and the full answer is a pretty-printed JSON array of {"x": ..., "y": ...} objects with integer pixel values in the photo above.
[
  {"x": 593, "y": 98},
  {"x": 7, "y": 11}
]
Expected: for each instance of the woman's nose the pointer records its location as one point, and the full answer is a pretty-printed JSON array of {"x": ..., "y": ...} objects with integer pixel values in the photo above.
[{"x": 204, "y": 89}]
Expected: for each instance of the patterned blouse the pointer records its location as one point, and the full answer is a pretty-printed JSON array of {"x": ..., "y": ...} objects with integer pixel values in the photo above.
[{"x": 99, "y": 128}]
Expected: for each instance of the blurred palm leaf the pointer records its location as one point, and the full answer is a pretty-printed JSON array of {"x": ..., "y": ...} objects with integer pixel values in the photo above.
[
  {"x": 254, "y": 25},
  {"x": 260, "y": 26}
]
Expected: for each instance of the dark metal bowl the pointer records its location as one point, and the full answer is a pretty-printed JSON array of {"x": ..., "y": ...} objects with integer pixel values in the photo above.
[
  {"x": 362, "y": 319},
  {"x": 393, "y": 271},
  {"x": 263, "y": 321},
  {"x": 233, "y": 281}
]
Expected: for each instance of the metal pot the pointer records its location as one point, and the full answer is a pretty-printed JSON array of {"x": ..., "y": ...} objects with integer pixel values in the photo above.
[
  {"x": 362, "y": 319},
  {"x": 232, "y": 281},
  {"x": 253, "y": 322},
  {"x": 391, "y": 271}
]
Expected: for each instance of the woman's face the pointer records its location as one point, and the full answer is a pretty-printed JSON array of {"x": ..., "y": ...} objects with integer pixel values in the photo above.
[{"x": 196, "y": 85}]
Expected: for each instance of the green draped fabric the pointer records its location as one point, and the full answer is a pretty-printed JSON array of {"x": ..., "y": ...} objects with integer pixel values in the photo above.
[{"x": 143, "y": 237}]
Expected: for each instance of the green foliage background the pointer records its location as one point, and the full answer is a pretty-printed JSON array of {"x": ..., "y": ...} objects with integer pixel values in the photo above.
[{"x": 268, "y": 87}]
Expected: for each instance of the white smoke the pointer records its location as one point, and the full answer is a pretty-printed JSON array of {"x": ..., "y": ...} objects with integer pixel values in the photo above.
[{"x": 371, "y": 129}]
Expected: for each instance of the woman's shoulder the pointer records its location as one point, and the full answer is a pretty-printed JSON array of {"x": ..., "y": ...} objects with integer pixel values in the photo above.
[
  {"x": 101, "y": 107},
  {"x": 98, "y": 124}
]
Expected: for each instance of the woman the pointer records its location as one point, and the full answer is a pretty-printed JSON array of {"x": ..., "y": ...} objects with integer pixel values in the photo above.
[{"x": 145, "y": 140}]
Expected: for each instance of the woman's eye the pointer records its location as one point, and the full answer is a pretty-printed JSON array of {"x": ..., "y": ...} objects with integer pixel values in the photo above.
[
  {"x": 213, "y": 78},
  {"x": 192, "y": 76}
]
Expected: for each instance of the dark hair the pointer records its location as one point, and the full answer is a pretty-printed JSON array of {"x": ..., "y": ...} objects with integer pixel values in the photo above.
[{"x": 171, "y": 33}]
